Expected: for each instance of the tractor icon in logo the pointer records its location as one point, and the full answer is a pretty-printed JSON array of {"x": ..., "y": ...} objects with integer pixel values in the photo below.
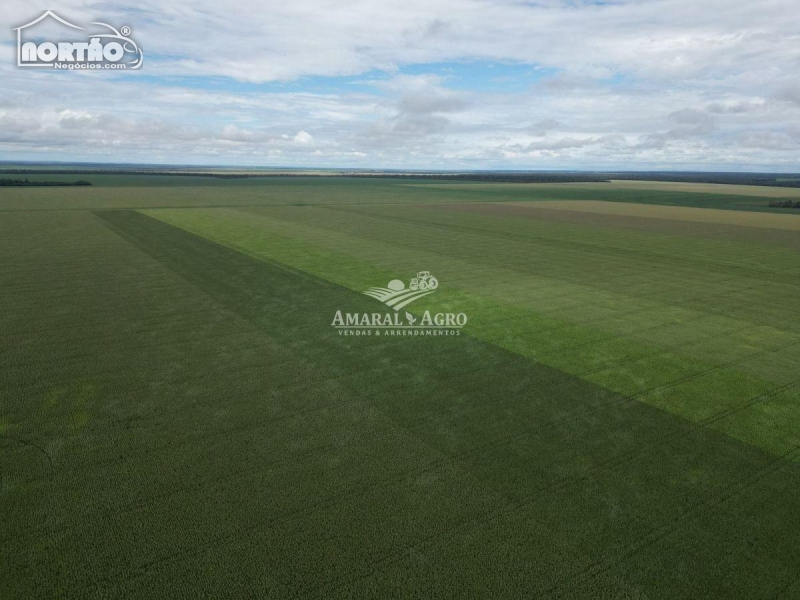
[
  {"x": 424, "y": 281},
  {"x": 396, "y": 295}
]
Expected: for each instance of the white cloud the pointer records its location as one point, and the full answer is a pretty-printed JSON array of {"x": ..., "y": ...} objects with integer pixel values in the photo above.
[{"x": 674, "y": 83}]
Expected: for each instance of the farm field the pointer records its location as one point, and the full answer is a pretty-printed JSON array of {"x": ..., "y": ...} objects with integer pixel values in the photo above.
[{"x": 620, "y": 416}]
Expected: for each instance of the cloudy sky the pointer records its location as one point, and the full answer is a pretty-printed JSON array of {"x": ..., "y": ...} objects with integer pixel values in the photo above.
[{"x": 436, "y": 84}]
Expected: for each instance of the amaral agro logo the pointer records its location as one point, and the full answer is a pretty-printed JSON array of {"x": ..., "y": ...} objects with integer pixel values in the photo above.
[
  {"x": 53, "y": 43},
  {"x": 396, "y": 295}
]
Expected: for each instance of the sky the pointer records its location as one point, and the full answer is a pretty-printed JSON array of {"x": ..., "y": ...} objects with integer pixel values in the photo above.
[{"x": 419, "y": 84}]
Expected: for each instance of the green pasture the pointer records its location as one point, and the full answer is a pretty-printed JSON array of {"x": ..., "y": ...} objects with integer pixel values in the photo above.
[{"x": 620, "y": 417}]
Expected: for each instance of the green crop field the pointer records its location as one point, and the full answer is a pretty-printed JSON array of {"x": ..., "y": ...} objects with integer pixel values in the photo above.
[{"x": 619, "y": 417}]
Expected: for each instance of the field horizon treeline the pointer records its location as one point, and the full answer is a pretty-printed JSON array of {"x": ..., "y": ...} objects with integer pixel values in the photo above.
[
  {"x": 789, "y": 180},
  {"x": 26, "y": 182}
]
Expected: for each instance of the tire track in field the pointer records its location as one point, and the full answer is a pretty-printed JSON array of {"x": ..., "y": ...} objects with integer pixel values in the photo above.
[
  {"x": 718, "y": 367},
  {"x": 667, "y": 529},
  {"x": 656, "y": 349},
  {"x": 694, "y": 375},
  {"x": 620, "y": 315}
]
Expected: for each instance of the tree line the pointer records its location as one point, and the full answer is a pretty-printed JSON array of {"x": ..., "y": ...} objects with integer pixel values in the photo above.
[
  {"x": 784, "y": 204},
  {"x": 26, "y": 183}
]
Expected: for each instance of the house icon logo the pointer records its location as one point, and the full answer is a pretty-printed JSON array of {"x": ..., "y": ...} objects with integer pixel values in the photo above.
[{"x": 73, "y": 48}]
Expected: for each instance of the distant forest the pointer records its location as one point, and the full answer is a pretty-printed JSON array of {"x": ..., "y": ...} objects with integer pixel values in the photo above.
[
  {"x": 784, "y": 204},
  {"x": 26, "y": 183},
  {"x": 791, "y": 180},
  {"x": 771, "y": 179}
]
